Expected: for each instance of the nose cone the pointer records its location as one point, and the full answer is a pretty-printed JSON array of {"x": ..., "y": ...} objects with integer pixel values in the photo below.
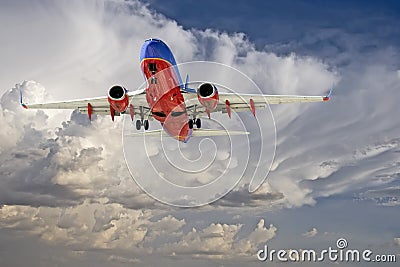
[
  {"x": 178, "y": 127},
  {"x": 155, "y": 48},
  {"x": 182, "y": 134}
]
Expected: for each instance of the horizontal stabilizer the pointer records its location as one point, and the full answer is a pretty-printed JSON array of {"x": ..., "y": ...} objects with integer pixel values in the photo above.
[
  {"x": 208, "y": 132},
  {"x": 196, "y": 132}
]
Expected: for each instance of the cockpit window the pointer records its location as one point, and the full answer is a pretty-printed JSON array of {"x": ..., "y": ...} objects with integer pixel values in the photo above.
[{"x": 152, "y": 67}]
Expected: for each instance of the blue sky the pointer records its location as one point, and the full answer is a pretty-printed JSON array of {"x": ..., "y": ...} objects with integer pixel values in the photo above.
[
  {"x": 66, "y": 196},
  {"x": 269, "y": 22}
]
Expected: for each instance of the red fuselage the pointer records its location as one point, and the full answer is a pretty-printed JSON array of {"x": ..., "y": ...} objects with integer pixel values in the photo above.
[{"x": 163, "y": 91}]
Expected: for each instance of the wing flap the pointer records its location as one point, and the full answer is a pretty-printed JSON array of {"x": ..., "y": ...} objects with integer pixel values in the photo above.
[
  {"x": 98, "y": 111},
  {"x": 241, "y": 102},
  {"x": 74, "y": 104},
  {"x": 270, "y": 99}
]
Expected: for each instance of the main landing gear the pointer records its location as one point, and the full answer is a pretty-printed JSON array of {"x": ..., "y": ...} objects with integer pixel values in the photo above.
[
  {"x": 144, "y": 123},
  {"x": 196, "y": 122}
]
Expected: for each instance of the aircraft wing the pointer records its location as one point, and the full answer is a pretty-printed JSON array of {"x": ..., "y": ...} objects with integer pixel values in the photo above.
[
  {"x": 100, "y": 105},
  {"x": 237, "y": 103},
  {"x": 270, "y": 99},
  {"x": 244, "y": 102}
]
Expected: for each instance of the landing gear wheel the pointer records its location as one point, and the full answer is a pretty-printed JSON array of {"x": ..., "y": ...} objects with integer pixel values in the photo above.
[
  {"x": 190, "y": 124},
  {"x": 146, "y": 124},
  {"x": 198, "y": 123},
  {"x": 138, "y": 125}
]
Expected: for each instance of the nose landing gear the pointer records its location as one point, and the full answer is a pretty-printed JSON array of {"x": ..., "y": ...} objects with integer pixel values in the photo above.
[{"x": 144, "y": 123}]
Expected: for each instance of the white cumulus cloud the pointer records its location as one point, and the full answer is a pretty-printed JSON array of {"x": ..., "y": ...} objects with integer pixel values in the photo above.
[{"x": 312, "y": 233}]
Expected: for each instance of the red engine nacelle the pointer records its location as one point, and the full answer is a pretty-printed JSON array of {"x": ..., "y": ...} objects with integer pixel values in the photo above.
[
  {"x": 118, "y": 98},
  {"x": 207, "y": 94}
]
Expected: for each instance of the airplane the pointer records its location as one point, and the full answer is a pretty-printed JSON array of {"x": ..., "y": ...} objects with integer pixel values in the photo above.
[{"x": 170, "y": 101}]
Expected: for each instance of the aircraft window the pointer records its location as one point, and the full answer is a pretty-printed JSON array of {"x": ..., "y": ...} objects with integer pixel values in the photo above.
[
  {"x": 159, "y": 114},
  {"x": 177, "y": 113}
]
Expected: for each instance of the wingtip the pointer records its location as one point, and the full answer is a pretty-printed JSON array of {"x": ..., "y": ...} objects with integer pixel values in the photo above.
[
  {"x": 328, "y": 97},
  {"x": 21, "y": 101},
  {"x": 330, "y": 91}
]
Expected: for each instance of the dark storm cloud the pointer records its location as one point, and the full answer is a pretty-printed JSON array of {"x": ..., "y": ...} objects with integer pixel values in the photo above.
[
  {"x": 36, "y": 165},
  {"x": 240, "y": 197}
]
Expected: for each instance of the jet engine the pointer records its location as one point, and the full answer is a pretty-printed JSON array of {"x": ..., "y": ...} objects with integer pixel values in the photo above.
[
  {"x": 118, "y": 98},
  {"x": 207, "y": 94}
]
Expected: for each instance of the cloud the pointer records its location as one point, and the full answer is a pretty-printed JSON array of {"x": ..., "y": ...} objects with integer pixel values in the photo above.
[
  {"x": 240, "y": 197},
  {"x": 312, "y": 233},
  {"x": 115, "y": 258},
  {"x": 260, "y": 235},
  {"x": 89, "y": 225},
  {"x": 219, "y": 241},
  {"x": 331, "y": 168},
  {"x": 388, "y": 196},
  {"x": 373, "y": 165},
  {"x": 60, "y": 166},
  {"x": 168, "y": 224}
]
